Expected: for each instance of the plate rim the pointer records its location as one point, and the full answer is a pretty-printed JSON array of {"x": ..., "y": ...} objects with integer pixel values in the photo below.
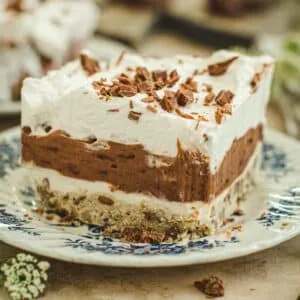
[{"x": 147, "y": 261}]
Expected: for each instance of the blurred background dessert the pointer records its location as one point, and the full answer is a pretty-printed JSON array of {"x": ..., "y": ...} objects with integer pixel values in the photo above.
[{"x": 37, "y": 36}]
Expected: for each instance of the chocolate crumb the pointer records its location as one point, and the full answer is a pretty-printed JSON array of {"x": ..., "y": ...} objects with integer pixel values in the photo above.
[
  {"x": 151, "y": 108},
  {"x": 133, "y": 115},
  {"x": 205, "y": 137},
  {"x": 298, "y": 298},
  {"x": 208, "y": 87},
  {"x": 212, "y": 286},
  {"x": 168, "y": 102},
  {"x": 121, "y": 57},
  {"x": 224, "y": 97},
  {"x": 209, "y": 98},
  {"x": 26, "y": 130},
  {"x": 113, "y": 110},
  {"x": 89, "y": 65},
  {"x": 48, "y": 128},
  {"x": 221, "y": 67}
]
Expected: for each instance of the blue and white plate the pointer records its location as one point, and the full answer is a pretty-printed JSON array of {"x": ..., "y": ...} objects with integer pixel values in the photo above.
[{"x": 274, "y": 217}]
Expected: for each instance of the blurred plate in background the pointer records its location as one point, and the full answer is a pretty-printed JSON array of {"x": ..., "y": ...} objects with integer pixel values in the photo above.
[{"x": 104, "y": 48}]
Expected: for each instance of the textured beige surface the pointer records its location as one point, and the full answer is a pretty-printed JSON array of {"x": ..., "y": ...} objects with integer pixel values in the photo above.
[{"x": 272, "y": 275}]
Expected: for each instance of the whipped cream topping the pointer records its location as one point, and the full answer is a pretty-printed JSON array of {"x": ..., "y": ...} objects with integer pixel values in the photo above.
[
  {"x": 67, "y": 100},
  {"x": 58, "y": 29}
]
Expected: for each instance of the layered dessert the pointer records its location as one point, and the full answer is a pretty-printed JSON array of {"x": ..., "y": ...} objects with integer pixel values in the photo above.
[
  {"x": 148, "y": 149},
  {"x": 36, "y": 36}
]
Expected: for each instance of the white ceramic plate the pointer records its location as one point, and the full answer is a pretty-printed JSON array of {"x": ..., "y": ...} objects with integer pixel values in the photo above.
[
  {"x": 279, "y": 197},
  {"x": 103, "y": 47}
]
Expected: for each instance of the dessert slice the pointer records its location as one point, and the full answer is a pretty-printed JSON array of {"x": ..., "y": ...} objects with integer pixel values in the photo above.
[
  {"x": 36, "y": 36},
  {"x": 149, "y": 149}
]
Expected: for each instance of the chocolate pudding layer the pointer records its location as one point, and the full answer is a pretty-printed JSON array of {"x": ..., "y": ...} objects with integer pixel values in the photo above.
[{"x": 130, "y": 168}]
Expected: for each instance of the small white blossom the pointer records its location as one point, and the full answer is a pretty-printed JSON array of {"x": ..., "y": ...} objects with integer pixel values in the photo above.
[{"x": 24, "y": 277}]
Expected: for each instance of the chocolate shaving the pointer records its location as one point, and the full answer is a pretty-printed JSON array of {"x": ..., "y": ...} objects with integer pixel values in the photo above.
[
  {"x": 131, "y": 104},
  {"x": 133, "y": 115},
  {"x": 149, "y": 99},
  {"x": 127, "y": 90},
  {"x": 113, "y": 110},
  {"x": 254, "y": 82},
  {"x": 121, "y": 57},
  {"x": 209, "y": 98},
  {"x": 220, "y": 68},
  {"x": 26, "y": 130},
  {"x": 159, "y": 75},
  {"x": 190, "y": 84},
  {"x": 224, "y": 97},
  {"x": 123, "y": 78},
  {"x": 142, "y": 74},
  {"x": 184, "y": 96},
  {"x": 151, "y": 108},
  {"x": 183, "y": 115},
  {"x": 89, "y": 65},
  {"x": 145, "y": 87},
  {"x": 173, "y": 78},
  {"x": 212, "y": 286},
  {"x": 219, "y": 114},
  {"x": 168, "y": 102}
]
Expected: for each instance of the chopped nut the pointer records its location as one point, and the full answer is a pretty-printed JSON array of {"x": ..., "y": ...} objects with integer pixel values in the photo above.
[
  {"x": 209, "y": 98},
  {"x": 89, "y": 65},
  {"x": 168, "y": 102},
  {"x": 151, "y": 108},
  {"x": 133, "y": 115},
  {"x": 221, "y": 67},
  {"x": 224, "y": 97},
  {"x": 227, "y": 109},
  {"x": 212, "y": 286}
]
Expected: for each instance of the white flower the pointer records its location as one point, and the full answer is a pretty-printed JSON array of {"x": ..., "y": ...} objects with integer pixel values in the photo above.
[{"x": 24, "y": 277}]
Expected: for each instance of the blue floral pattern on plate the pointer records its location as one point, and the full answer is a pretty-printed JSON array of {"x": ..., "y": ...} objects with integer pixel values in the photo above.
[{"x": 73, "y": 242}]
